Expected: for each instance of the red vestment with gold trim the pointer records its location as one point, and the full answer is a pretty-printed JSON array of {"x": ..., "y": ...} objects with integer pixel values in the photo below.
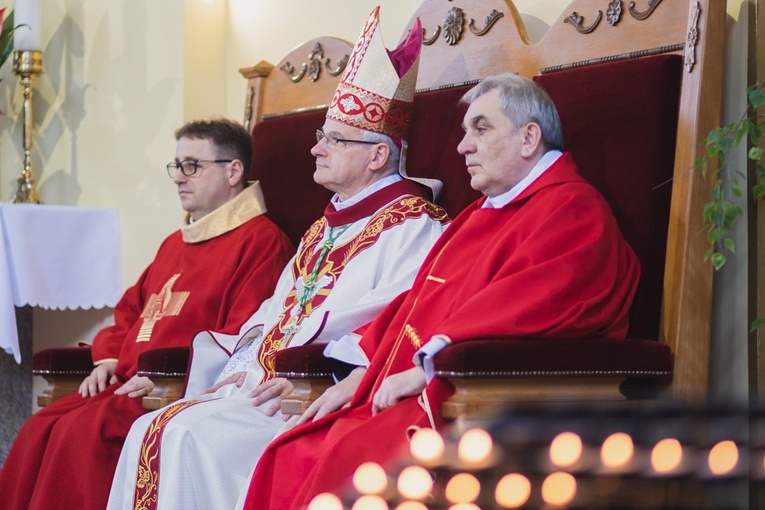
[
  {"x": 65, "y": 454},
  {"x": 550, "y": 264}
]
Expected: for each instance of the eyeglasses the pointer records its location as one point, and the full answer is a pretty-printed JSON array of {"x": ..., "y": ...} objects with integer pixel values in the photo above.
[
  {"x": 189, "y": 167},
  {"x": 335, "y": 142}
]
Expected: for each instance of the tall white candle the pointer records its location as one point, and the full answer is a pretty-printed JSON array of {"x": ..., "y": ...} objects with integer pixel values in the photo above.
[{"x": 27, "y": 12}]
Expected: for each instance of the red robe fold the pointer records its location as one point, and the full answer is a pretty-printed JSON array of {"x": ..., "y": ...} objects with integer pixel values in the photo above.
[
  {"x": 65, "y": 455},
  {"x": 551, "y": 264}
]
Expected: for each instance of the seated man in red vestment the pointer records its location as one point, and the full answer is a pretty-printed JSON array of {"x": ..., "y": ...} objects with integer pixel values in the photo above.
[
  {"x": 209, "y": 274},
  {"x": 540, "y": 255}
]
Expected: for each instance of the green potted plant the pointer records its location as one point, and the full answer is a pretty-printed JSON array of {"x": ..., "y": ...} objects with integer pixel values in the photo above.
[{"x": 721, "y": 212}]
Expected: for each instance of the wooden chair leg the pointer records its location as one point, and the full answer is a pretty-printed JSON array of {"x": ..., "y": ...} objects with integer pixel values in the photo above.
[
  {"x": 166, "y": 391},
  {"x": 305, "y": 391},
  {"x": 58, "y": 386}
]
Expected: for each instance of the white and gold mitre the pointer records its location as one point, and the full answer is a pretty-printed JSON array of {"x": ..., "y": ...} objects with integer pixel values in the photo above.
[{"x": 377, "y": 89}]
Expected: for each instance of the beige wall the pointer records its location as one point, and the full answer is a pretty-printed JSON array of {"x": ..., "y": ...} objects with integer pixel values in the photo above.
[{"x": 120, "y": 76}]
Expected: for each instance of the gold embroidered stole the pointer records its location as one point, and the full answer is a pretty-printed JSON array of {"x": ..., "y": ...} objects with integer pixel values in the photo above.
[
  {"x": 394, "y": 214},
  {"x": 147, "y": 477}
]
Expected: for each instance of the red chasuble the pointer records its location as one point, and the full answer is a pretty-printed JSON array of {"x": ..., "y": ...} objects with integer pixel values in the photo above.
[
  {"x": 551, "y": 264},
  {"x": 65, "y": 454}
]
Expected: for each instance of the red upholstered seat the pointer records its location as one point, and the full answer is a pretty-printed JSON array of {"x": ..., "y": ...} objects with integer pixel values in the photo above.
[
  {"x": 530, "y": 357},
  {"x": 63, "y": 361},
  {"x": 303, "y": 361},
  {"x": 165, "y": 362},
  {"x": 63, "y": 369}
]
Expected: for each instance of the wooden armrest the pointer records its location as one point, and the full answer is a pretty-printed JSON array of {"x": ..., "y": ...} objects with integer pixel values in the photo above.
[
  {"x": 309, "y": 372},
  {"x": 167, "y": 370},
  {"x": 490, "y": 374},
  {"x": 63, "y": 369}
]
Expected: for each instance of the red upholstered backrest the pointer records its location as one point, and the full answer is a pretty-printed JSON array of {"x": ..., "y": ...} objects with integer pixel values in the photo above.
[
  {"x": 620, "y": 122},
  {"x": 283, "y": 164},
  {"x": 434, "y": 134}
]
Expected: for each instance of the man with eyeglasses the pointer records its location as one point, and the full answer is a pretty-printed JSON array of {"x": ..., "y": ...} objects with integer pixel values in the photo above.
[
  {"x": 365, "y": 251},
  {"x": 209, "y": 274}
]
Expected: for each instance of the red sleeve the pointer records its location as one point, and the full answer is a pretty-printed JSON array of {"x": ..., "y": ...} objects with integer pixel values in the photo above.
[{"x": 264, "y": 256}]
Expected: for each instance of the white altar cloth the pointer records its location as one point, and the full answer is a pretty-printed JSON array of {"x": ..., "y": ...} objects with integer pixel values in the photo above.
[{"x": 56, "y": 257}]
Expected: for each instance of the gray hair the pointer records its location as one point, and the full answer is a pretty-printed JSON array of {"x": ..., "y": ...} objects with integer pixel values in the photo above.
[
  {"x": 523, "y": 101},
  {"x": 395, "y": 153}
]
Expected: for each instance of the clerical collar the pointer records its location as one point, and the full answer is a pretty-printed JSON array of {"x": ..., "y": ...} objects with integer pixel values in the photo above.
[
  {"x": 505, "y": 198},
  {"x": 369, "y": 204},
  {"x": 361, "y": 195},
  {"x": 237, "y": 211}
]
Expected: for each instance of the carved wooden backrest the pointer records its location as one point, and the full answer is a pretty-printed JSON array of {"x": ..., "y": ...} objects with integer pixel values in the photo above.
[
  {"x": 467, "y": 40},
  {"x": 305, "y": 79}
]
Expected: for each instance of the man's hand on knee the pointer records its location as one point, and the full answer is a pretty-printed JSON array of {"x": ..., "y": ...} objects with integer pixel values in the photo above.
[
  {"x": 101, "y": 377},
  {"x": 397, "y": 387},
  {"x": 136, "y": 386},
  {"x": 336, "y": 397},
  {"x": 275, "y": 389},
  {"x": 237, "y": 378}
]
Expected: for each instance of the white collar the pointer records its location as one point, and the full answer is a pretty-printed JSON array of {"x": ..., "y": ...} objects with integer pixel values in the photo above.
[
  {"x": 505, "y": 198},
  {"x": 361, "y": 195}
]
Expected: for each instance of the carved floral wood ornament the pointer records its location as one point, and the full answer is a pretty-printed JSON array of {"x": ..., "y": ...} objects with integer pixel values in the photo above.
[
  {"x": 453, "y": 26},
  {"x": 613, "y": 15},
  {"x": 314, "y": 66}
]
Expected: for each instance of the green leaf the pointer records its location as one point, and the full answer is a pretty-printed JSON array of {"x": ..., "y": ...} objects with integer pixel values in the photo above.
[
  {"x": 738, "y": 136},
  {"x": 758, "y": 322},
  {"x": 709, "y": 253},
  {"x": 736, "y": 187},
  {"x": 754, "y": 133},
  {"x": 726, "y": 145},
  {"x": 718, "y": 260},
  {"x": 704, "y": 167},
  {"x": 730, "y": 245},
  {"x": 714, "y": 135},
  {"x": 757, "y": 97},
  {"x": 755, "y": 153},
  {"x": 758, "y": 191},
  {"x": 709, "y": 209},
  {"x": 716, "y": 192}
]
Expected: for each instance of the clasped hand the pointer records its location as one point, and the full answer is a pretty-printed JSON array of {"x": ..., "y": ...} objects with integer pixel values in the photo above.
[
  {"x": 104, "y": 375},
  {"x": 99, "y": 379}
]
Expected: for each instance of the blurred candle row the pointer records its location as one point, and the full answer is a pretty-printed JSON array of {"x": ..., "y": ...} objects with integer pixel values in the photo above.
[{"x": 586, "y": 466}]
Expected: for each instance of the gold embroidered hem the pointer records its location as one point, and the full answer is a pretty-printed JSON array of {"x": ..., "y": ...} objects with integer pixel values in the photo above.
[
  {"x": 147, "y": 480},
  {"x": 234, "y": 213}
]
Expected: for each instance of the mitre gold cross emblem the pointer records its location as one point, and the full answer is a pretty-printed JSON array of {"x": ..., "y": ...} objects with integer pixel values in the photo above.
[{"x": 164, "y": 304}]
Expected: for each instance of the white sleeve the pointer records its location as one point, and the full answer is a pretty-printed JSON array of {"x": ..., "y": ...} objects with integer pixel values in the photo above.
[
  {"x": 347, "y": 350},
  {"x": 423, "y": 358}
]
